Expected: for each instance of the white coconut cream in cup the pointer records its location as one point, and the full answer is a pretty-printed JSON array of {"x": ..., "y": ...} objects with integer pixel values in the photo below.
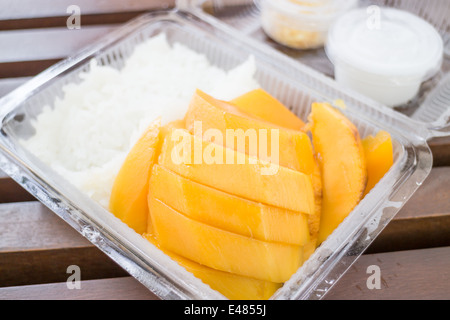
[{"x": 384, "y": 53}]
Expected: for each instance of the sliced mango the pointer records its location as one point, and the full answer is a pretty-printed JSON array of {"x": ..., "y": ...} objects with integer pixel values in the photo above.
[
  {"x": 232, "y": 286},
  {"x": 223, "y": 250},
  {"x": 343, "y": 167},
  {"x": 128, "y": 199},
  {"x": 244, "y": 133},
  {"x": 379, "y": 155},
  {"x": 236, "y": 173},
  {"x": 226, "y": 211},
  {"x": 262, "y": 105}
]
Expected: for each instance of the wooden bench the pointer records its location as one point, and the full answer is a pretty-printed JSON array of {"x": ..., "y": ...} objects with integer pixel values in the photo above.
[{"x": 36, "y": 246}]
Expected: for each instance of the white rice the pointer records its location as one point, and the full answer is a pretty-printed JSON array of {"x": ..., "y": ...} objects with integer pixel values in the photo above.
[{"x": 86, "y": 135}]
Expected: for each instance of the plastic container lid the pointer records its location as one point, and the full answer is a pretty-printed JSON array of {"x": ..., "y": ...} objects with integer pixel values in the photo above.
[{"x": 386, "y": 41}]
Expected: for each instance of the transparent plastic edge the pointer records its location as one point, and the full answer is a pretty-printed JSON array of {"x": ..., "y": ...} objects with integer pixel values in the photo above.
[{"x": 441, "y": 128}]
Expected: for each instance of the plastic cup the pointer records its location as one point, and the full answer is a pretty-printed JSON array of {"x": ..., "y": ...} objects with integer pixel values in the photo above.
[
  {"x": 384, "y": 53},
  {"x": 301, "y": 24}
]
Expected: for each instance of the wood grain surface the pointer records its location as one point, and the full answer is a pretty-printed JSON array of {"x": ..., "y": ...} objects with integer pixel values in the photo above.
[{"x": 405, "y": 275}]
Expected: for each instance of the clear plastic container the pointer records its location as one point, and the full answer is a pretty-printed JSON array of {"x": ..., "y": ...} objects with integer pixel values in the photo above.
[
  {"x": 384, "y": 53},
  {"x": 301, "y": 24},
  {"x": 294, "y": 84}
]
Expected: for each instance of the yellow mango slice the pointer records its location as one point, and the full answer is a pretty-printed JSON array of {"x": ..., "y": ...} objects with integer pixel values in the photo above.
[
  {"x": 294, "y": 147},
  {"x": 232, "y": 286},
  {"x": 341, "y": 156},
  {"x": 262, "y": 105},
  {"x": 128, "y": 199},
  {"x": 244, "y": 133},
  {"x": 226, "y": 211},
  {"x": 236, "y": 173},
  {"x": 379, "y": 155},
  {"x": 223, "y": 250}
]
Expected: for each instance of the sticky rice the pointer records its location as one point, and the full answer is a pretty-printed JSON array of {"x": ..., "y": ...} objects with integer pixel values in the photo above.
[{"x": 86, "y": 135}]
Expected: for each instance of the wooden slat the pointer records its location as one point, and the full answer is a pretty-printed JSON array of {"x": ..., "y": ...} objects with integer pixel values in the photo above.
[
  {"x": 10, "y": 191},
  {"x": 47, "y": 266},
  {"x": 47, "y": 43},
  {"x": 61, "y": 22},
  {"x": 432, "y": 198},
  {"x": 424, "y": 221},
  {"x": 36, "y": 246},
  {"x": 441, "y": 151},
  {"x": 31, "y": 226},
  {"x": 29, "y": 9},
  {"x": 25, "y": 68},
  {"x": 47, "y": 13},
  {"x": 123, "y": 288},
  {"x": 415, "y": 274},
  {"x": 25, "y": 53}
]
